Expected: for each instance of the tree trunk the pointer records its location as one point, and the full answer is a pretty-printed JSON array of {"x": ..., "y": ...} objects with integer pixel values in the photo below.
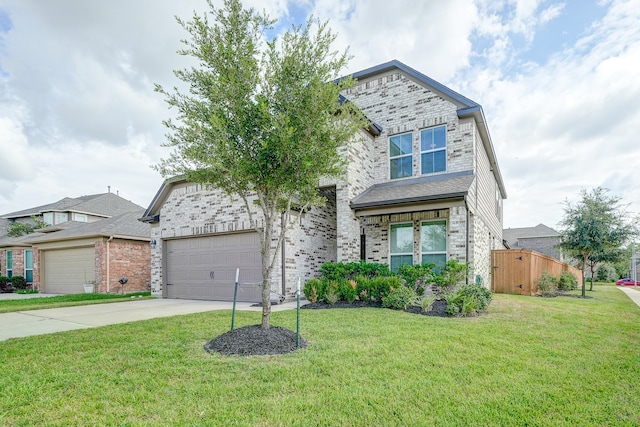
[
  {"x": 266, "y": 276},
  {"x": 584, "y": 279}
]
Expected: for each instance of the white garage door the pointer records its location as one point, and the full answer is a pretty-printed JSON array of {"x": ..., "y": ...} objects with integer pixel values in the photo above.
[
  {"x": 205, "y": 267},
  {"x": 66, "y": 270}
]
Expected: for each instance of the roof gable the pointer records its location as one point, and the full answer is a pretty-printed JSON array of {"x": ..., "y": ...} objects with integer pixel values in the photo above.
[{"x": 104, "y": 204}]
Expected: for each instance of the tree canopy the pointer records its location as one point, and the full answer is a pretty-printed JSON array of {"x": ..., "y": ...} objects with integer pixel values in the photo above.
[
  {"x": 17, "y": 229},
  {"x": 596, "y": 227},
  {"x": 262, "y": 119}
]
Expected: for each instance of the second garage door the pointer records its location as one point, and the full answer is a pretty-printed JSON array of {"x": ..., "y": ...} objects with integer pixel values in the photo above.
[
  {"x": 204, "y": 267},
  {"x": 66, "y": 270}
]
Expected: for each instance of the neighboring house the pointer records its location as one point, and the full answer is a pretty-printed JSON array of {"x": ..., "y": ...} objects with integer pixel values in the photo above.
[
  {"x": 422, "y": 184},
  {"x": 540, "y": 238},
  {"x": 94, "y": 239}
]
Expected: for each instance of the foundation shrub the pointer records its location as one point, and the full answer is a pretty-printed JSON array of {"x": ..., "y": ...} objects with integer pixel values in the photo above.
[
  {"x": 400, "y": 298},
  {"x": 417, "y": 277},
  {"x": 314, "y": 290}
]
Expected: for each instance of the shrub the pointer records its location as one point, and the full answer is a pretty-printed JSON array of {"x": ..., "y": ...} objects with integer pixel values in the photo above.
[
  {"x": 363, "y": 288},
  {"x": 417, "y": 277},
  {"x": 448, "y": 277},
  {"x": 567, "y": 281},
  {"x": 351, "y": 270},
  {"x": 4, "y": 284},
  {"x": 18, "y": 282},
  {"x": 547, "y": 284},
  {"x": 399, "y": 298},
  {"x": 469, "y": 300},
  {"x": 332, "y": 294},
  {"x": 348, "y": 290},
  {"x": 381, "y": 286},
  {"x": 314, "y": 290},
  {"x": 426, "y": 302}
]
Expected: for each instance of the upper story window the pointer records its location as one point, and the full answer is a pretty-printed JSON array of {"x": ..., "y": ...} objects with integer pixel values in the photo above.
[
  {"x": 401, "y": 156},
  {"x": 433, "y": 149},
  {"x": 80, "y": 217},
  {"x": 47, "y": 217},
  {"x": 60, "y": 217}
]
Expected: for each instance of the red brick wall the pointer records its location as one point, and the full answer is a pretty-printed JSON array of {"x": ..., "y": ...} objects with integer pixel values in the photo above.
[{"x": 127, "y": 258}]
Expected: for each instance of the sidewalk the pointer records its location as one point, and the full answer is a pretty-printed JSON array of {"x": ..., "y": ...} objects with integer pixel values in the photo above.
[
  {"x": 48, "y": 321},
  {"x": 634, "y": 294}
]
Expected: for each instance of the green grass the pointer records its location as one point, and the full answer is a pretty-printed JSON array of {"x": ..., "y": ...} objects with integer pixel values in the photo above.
[
  {"x": 38, "y": 303},
  {"x": 528, "y": 361}
]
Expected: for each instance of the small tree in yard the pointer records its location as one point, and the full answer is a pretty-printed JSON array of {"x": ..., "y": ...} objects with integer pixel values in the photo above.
[
  {"x": 595, "y": 227},
  {"x": 262, "y": 120},
  {"x": 17, "y": 229}
]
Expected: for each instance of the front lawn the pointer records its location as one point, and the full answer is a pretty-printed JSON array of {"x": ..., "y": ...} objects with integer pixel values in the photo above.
[
  {"x": 527, "y": 361},
  {"x": 39, "y": 303}
]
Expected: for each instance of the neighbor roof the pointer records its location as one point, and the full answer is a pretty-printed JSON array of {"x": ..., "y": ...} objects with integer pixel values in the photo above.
[
  {"x": 125, "y": 225},
  {"x": 512, "y": 235},
  {"x": 422, "y": 189},
  {"x": 104, "y": 204}
]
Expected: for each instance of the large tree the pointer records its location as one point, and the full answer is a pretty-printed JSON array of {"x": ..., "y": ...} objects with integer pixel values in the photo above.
[
  {"x": 262, "y": 119},
  {"x": 595, "y": 227}
]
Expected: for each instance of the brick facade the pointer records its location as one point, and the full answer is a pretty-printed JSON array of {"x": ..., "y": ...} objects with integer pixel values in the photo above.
[
  {"x": 398, "y": 102},
  {"x": 125, "y": 258}
]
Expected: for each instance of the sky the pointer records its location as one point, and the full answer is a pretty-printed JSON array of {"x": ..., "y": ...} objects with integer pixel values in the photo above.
[{"x": 559, "y": 82}]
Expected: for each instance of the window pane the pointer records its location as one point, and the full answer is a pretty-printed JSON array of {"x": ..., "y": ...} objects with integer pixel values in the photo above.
[
  {"x": 434, "y": 236},
  {"x": 401, "y": 167},
  {"x": 61, "y": 217},
  {"x": 440, "y": 137},
  {"x": 438, "y": 259},
  {"x": 28, "y": 276},
  {"x": 439, "y": 161},
  {"x": 9, "y": 260},
  {"x": 28, "y": 259},
  {"x": 401, "y": 238},
  {"x": 48, "y": 218},
  {"x": 398, "y": 260},
  {"x": 400, "y": 144},
  {"x": 427, "y": 163}
]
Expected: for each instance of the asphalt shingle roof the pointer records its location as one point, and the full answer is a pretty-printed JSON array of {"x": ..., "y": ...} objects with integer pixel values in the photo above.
[
  {"x": 105, "y": 204},
  {"x": 512, "y": 235},
  {"x": 124, "y": 225},
  {"x": 415, "y": 190}
]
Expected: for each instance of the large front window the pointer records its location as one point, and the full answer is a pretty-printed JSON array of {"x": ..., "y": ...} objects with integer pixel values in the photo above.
[
  {"x": 433, "y": 149},
  {"x": 433, "y": 235},
  {"x": 28, "y": 266},
  {"x": 401, "y": 245},
  {"x": 9, "y": 263},
  {"x": 400, "y": 156}
]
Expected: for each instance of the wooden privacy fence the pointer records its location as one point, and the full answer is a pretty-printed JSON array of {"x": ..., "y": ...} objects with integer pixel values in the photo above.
[{"x": 515, "y": 271}]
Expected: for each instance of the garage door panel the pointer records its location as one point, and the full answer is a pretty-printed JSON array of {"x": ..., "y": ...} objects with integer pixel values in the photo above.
[
  {"x": 204, "y": 267},
  {"x": 66, "y": 270}
]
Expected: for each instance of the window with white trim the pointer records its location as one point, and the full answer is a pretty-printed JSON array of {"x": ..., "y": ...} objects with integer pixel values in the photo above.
[
  {"x": 28, "y": 266},
  {"x": 400, "y": 245},
  {"x": 9, "y": 263},
  {"x": 60, "y": 217},
  {"x": 433, "y": 149},
  {"x": 47, "y": 217},
  {"x": 80, "y": 217},
  {"x": 401, "y": 156},
  {"x": 433, "y": 237}
]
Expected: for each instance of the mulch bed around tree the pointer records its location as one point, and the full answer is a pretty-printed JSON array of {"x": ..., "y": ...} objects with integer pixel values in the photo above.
[
  {"x": 438, "y": 308},
  {"x": 252, "y": 340}
]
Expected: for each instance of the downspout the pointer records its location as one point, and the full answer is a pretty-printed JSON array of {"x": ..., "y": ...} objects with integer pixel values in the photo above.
[
  {"x": 466, "y": 206},
  {"x": 108, "y": 261}
]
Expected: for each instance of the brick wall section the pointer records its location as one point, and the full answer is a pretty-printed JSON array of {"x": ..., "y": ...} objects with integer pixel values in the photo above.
[
  {"x": 127, "y": 258},
  {"x": 192, "y": 210},
  {"x": 401, "y": 105}
]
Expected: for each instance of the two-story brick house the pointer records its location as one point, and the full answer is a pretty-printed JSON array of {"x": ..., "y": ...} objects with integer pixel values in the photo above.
[
  {"x": 94, "y": 239},
  {"x": 422, "y": 184}
]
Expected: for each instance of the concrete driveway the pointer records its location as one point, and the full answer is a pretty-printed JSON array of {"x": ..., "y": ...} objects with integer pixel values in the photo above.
[{"x": 47, "y": 321}]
